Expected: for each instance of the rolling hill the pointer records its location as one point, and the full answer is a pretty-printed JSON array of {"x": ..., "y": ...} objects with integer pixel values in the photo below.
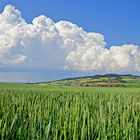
[{"x": 107, "y": 80}]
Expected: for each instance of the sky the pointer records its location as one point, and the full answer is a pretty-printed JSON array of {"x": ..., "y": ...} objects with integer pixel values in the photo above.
[{"x": 73, "y": 38}]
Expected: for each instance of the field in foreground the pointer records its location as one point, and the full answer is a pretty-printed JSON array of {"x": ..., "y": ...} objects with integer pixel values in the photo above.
[{"x": 50, "y": 112}]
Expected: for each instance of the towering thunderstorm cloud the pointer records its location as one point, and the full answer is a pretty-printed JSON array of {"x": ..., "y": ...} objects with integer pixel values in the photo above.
[{"x": 62, "y": 45}]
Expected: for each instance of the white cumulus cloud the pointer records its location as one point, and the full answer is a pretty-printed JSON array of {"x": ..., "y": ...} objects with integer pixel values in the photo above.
[{"x": 45, "y": 44}]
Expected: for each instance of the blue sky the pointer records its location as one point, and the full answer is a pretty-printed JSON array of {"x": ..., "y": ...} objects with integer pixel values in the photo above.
[{"x": 118, "y": 21}]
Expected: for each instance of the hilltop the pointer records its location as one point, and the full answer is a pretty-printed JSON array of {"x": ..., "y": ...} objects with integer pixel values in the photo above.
[{"x": 107, "y": 80}]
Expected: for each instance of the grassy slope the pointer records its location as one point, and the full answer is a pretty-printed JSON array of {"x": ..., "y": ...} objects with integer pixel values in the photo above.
[{"x": 102, "y": 80}]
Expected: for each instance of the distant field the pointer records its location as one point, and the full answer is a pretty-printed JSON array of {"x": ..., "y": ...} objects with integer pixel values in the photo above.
[
  {"x": 41, "y": 111},
  {"x": 108, "y": 80}
]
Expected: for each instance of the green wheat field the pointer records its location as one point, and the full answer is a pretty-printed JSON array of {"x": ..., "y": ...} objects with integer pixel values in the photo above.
[{"x": 47, "y": 112}]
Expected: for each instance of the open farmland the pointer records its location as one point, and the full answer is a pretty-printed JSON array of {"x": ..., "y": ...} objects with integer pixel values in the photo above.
[
  {"x": 107, "y": 80},
  {"x": 54, "y": 112}
]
